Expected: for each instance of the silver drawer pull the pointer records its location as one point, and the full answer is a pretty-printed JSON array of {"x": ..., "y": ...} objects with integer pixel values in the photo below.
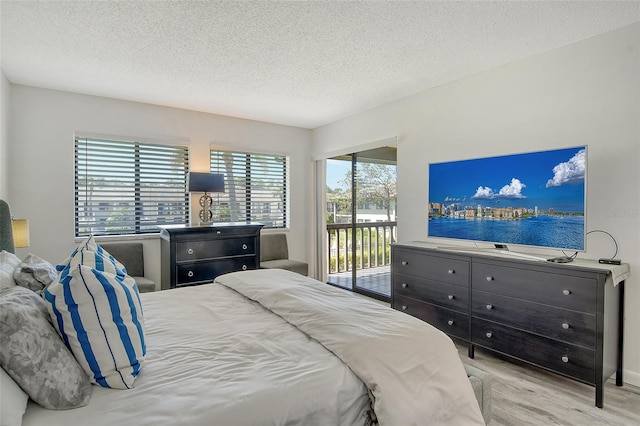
[
  {"x": 190, "y": 274},
  {"x": 451, "y": 297},
  {"x": 405, "y": 263},
  {"x": 450, "y": 322},
  {"x": 565, "y": 359},
  {"x": 244, "y": 267},
  {"x": 489, "y": 307},
  {"x": 489, "y": 334},
  {"x": 451, "y": 271},
  {"x": 218, "y": 232},
  {"x": 489, "y": 278},
  {"x": 190, "y": 251},
  {"x": 404, "y": 307},
  {"x": 566, "y": 292},
  {"x": 244, "y": 247},
  {"x": 565, "y": 325},
  {"x": 405, "y": 285}
]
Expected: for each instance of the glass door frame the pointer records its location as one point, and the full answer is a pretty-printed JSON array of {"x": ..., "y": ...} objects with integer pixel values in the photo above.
[
  {"x": 354, "y": 236},
  {"x": 353, "y": 241}
]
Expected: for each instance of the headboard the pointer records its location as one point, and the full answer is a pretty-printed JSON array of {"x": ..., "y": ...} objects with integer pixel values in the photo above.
[{"x": 6, "y": 231}]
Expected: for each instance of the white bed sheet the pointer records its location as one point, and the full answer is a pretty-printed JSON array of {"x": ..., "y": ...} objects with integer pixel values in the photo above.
[{"x": 216, "y": 358}]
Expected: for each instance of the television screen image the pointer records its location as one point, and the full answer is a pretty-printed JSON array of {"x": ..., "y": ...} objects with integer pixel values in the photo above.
[{"x": 530, "y": 199}]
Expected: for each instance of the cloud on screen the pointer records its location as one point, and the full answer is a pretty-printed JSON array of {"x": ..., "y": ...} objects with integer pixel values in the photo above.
[
  {"x": 570, "y": 171},
  {"x": 512, "y": 190}
]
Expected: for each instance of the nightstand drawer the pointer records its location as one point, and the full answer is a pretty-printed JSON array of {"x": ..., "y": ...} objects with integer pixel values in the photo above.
[
  {"x": 570, "y": 291},
  {"x": 447, "y": 295},
  {"x": 451, "y": 322},
  {"x": 189, "y": 251},
  {"x": 563, "y": 358},
  {"x": 441, "y": 268},
  {"x": 573, "y": 327},
  {"x": 206, "y": 271}
]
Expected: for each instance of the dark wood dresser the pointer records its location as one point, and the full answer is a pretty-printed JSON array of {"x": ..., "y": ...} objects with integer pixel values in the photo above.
[
  {"x": 434, "y": 288},
  {"x": 192, "y": 255},
  {"x": 566, "y": 318}
]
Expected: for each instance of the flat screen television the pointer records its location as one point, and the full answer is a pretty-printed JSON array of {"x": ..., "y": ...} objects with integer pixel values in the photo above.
[{"x": 535, "y": 199}]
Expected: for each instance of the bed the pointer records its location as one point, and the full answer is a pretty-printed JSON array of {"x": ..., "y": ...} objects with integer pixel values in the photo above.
[{"x": 272, "y": 347}]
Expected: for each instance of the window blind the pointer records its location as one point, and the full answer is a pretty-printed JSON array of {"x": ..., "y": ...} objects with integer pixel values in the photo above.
[
  {"x": 129, "y": 187},
  {"x": 256, "y": 188}
]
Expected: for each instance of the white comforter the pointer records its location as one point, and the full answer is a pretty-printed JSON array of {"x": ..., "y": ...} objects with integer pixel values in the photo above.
[
  {"x": 412, "y": 369},
  {"x": 216, "y": 358},
  {"x": 217, "y": 355}
]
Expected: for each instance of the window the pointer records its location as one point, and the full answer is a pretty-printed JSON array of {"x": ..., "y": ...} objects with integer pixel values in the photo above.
[
  {"x": 256, "y": 188},
  {"x": 129, "y": 187}
]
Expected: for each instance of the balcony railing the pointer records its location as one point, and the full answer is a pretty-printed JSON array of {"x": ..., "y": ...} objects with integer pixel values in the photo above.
[{"x": 372, "y": 245}]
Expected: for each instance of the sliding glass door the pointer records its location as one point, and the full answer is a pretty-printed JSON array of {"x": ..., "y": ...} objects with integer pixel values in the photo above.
[{"x": 361, "y": 220}]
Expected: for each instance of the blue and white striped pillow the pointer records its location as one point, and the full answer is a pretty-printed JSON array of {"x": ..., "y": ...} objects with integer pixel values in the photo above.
[
  {"x": 91, "y": 254},
  {"x": 96, "y": 309},
  {"x": 99, "y": 316}
]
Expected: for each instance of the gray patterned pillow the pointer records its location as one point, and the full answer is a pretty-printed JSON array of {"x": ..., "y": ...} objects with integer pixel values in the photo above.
[
  {"x": 34, "y": 273},
  {"x": 35, "y": 356}
]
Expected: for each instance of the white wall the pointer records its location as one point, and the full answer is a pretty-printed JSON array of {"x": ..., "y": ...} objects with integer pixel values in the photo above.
[
  {"x": 584, "y": 93},
  {"x": 41, "y": 159},
  {"x": 5, "y": 90}
]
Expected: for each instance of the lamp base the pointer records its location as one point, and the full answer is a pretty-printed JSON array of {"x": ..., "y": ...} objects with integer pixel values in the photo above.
[
  {"x": 205, "y": 214},
  {"x": 206, "y": 200}
]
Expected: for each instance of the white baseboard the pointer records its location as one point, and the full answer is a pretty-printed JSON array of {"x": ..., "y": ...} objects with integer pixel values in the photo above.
[{"x": 630, "y": 377}]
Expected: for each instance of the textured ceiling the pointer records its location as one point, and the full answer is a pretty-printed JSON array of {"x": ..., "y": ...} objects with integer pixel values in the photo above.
[{"x": 297, "y": 63}]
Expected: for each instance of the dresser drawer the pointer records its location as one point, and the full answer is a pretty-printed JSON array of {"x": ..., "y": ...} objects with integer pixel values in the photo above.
[
  {"x": 563, "y": 358},
  {"x": 566, "y": 291},
  {"x": 192, "y": 273},
  {"x": 435, "y": 268},
  {"x": 447, "y": 295},
  {"x": 188, "y": 251},
  {"x": 573, "y": 327},
  {"x": 451, "y": 322}
]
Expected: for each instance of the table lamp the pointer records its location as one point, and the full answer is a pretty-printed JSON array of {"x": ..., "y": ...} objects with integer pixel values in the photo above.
[{"x": 205, "y": 182}]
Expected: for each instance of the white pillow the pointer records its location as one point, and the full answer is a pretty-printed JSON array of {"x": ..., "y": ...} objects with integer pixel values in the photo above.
[
  {"x": 8, "y": 263},
  {"x": 96, "y": 309},
  {"x": 13, "y": 401}
]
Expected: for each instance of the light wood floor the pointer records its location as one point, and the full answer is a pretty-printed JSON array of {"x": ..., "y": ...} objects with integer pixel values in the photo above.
[{"x": 524, "y": 395}]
